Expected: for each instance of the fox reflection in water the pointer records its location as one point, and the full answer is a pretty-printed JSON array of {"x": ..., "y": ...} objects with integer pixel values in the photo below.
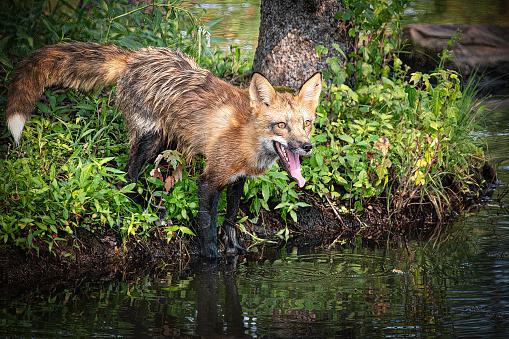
[{"x": 207, "y": 305}]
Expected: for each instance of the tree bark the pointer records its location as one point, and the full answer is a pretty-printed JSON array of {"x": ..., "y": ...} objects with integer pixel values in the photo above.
[{"x": 289, "y": 32}]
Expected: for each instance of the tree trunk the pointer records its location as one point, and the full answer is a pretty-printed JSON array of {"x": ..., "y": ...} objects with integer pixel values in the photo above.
[{"x": 289, "y": 32}]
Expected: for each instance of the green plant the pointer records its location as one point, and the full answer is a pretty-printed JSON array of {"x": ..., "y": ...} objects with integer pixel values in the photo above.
[
  {"x": 66, "y": 182},
  {"x": 379, "y": 130},
  {"x": 256, "y": 240},
  {"x": 32, "y": 24}
]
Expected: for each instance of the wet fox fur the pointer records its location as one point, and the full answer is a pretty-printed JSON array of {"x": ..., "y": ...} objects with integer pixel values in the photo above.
[{"x": 168, "y": 101}]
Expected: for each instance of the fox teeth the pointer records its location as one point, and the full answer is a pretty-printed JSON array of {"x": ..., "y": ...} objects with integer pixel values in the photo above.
[
  {"x": 283, "y": 152},
  {"x": 283, "y": 148}
]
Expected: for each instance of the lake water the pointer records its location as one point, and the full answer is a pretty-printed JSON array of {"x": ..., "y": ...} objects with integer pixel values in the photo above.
[
  {"x": 456, "y": 288},
  {"x": 239, "y": 19}
]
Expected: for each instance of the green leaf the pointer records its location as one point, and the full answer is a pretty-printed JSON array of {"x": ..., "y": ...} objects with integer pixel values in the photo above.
[
  {"x": 338, "y": 48},
  {"x": 321, "y": 49},
  {"x": 212, "y": 23},
  {"x": 129, "y": 43},
  {"x": 319, "y": 159},
  {"x": 88, "y": 107},
  {"x": 158, "y": 17},
  {"x": 346, "y": 138},
  {"x": 347, "y": 14},
  {"x": 368, "y": 14},
  {"x": 43, "y": 108},
  {"x": 320, "y": 137},
  {"x": 366, "y": 69},
  {"x": 416, "y": 77},
  {"x": 102, "y": 4},
  {"x": 293, "y": 214},
  {"x": 335, "y": 65},
  {"x": 266, "y": 192},
  {"x": 3, "y": 43},
  {"x": 128, "y": 188},
  {"x": 4, "y": 60},
  {"x": 186, "y": 230}
]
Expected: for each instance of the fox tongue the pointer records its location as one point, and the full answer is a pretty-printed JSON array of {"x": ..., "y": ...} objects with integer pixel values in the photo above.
[{"x": 294, "y": 162}]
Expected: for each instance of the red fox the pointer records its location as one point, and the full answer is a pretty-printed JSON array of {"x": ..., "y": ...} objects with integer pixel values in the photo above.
[{"x": 168, "y": 101}]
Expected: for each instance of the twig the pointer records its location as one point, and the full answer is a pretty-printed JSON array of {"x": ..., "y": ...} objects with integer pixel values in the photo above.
[
  {"x": 335, "y": 241},
  {"x": 339, "y": 218},
  {"x": 409, "y": 250},
  {"x": 334, "y": 209}
]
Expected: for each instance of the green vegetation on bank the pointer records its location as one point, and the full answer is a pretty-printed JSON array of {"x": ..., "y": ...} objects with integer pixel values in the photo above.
[
  {"x": 393, "y": 134},
  {"x": 387, "y": 134}
]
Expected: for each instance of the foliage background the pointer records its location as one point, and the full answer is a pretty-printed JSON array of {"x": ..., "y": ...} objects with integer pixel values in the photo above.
[{"x": 381, "y": 134}]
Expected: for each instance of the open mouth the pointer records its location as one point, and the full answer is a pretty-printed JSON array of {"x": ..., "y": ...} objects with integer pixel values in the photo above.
[{"x": 291, "y": 162}]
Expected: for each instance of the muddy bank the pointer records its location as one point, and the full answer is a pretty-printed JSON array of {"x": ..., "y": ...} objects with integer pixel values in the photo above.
[
  {"x": 83, "y": 257},
  {"x": 321, "y": 225}
]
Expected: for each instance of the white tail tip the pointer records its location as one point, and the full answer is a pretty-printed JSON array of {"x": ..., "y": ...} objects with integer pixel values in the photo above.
[{"x": 16, "y": 123}]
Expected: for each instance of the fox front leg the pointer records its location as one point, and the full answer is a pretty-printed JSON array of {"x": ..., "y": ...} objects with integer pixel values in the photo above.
[
  {"x": 208, "y": 200},
  {"x": 233, "y": 195}
]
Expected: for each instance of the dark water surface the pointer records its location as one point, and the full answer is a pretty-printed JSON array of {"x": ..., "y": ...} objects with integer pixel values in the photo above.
[{"x": 456, "y": 288}]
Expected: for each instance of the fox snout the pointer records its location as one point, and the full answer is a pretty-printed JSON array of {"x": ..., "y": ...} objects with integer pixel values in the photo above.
[
  {"x": 307, "y": 147},
  {"x": 289, "y": 156},
  {"x": 300, "y": 147}
]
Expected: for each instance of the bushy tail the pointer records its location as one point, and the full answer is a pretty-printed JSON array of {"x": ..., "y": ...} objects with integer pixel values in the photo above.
[{"x": 82, "y": 66}]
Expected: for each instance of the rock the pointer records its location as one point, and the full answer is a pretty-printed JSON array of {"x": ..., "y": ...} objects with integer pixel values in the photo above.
[{"x": 480, "y": 50}]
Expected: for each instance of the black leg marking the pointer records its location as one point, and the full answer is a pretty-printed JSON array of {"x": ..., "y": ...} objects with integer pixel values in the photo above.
[
  {"x": 143, "y": 149},
  {"x": 208, "y": 200},
  {"x": 233, "y": 194}
]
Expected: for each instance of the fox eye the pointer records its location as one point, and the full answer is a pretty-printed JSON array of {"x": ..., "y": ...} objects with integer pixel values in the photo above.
[
  {"x": 281, "y": 125},
  {"x": 307, "y": 123}
]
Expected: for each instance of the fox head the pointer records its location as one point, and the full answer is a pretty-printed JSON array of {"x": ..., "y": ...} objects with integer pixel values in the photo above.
[{"x": 284, "y": 121}]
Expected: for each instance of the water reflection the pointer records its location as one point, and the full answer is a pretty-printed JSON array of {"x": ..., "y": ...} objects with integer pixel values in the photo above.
[
  {"x": 455, "y": 289},
  {"x": 448, "y": 12},
  {"x": 239, "y": 20},
  {"x": 207, "y": 306}
]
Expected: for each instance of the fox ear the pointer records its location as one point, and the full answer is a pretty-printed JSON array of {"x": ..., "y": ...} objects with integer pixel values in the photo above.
[
  {"x": 309, "y": 93},
  {"x": 261, "y": 91}
]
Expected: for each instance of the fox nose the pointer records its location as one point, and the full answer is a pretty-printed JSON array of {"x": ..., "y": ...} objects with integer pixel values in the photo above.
[{"x": 307, "y": 147}]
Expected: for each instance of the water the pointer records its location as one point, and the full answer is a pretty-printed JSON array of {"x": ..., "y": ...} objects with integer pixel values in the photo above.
[
  {"x": 239, "y": 20},
  {"x": 448, "y": 12},
  {"x": 458, "y": 289},
  {"x": 455, "y": 288}
]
